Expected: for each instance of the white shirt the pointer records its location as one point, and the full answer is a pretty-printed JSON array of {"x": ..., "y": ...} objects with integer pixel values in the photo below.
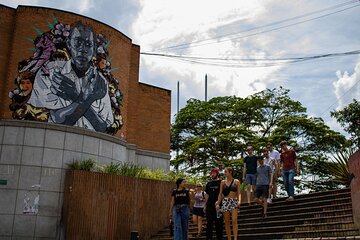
[
  {"x": 270, "y": 162},
  {"x": 274, "y": 154},
  {"x": 42, "y": 96}
]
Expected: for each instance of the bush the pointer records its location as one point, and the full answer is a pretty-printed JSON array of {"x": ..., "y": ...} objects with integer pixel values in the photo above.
[
  {"x": 133, "y": 170},
  {"x": 85, "y": 165}
]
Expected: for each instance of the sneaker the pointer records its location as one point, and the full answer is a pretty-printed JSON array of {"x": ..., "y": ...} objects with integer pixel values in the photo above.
[
  {"x": 269, "y": 200},
  {"x": 264, "y": 215},
  {"x": 291, "y": 198}
]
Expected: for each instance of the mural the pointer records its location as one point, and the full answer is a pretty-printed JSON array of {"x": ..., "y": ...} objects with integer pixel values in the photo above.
[{"x": 68, "y": 80}]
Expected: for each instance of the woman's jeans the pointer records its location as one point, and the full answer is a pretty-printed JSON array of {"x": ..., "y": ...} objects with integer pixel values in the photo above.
[
  {"x": 181, "y": 221},
  {"x": 288, "y": 177}
]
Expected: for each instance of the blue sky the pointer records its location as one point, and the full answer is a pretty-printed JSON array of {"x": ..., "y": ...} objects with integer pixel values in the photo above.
[{"x": 320, "y": 85}]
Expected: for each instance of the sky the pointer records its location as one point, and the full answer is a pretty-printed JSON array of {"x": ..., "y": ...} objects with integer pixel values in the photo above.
[{"x": 250, "y": 30}]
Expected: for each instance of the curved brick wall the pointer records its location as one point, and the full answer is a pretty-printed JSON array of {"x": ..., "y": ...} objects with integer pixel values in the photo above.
[{"x": 145, "y": 109}]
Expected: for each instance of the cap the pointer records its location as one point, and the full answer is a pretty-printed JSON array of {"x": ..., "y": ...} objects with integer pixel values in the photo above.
[{"x": 214, "y": 171}]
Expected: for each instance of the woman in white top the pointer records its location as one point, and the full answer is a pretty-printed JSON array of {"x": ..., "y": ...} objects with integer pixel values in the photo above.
[{"x": 198, "y": 209}]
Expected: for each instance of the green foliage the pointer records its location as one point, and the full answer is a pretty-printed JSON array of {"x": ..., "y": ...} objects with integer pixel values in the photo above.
[
  {"x": 130, "y": 170},
  {"x": 349, "y": 118},
  {"x": 112, "y": 168},
  {"x": 338, "y": 168},
  {"x": 206, "y": 132},
  {"x": 133, "y": 170},
  {"x": 85, "y": 165}
]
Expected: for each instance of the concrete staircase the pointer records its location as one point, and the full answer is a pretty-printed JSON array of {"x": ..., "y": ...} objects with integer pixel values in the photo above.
[{"x": 322, "y": 215}]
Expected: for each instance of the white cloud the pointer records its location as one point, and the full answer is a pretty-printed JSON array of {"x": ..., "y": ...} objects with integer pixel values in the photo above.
[
  {"x": 80, "y": 6},
  {"x": 164, "y": 23},
  {"x": 347, "y": 87}
]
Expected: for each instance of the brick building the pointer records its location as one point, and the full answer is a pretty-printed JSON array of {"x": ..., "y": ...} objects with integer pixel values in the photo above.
[
  {"x": 145, "y": 110},
  {"x": 43, "y": 120}
]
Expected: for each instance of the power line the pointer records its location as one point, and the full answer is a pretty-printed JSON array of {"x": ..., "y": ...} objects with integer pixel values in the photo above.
[
  {"x": 248, "y": 62},
  {"x": 198, "y": 43}
]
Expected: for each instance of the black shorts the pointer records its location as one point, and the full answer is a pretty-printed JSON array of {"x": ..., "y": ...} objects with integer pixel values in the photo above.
[
  {"x": 198, "y": 211},
  {"x": 262, "y": 190}
]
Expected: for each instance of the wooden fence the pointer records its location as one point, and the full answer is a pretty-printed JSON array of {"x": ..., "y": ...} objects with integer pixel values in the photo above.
[{"x": 102, "y": 206}]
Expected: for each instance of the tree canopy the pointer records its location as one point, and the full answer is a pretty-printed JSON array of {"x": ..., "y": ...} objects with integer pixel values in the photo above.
[
  {"x": 349, "y": 119},
  {"x": 206, "y": 132}
]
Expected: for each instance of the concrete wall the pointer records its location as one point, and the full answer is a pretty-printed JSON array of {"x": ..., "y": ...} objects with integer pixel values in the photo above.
[
  {"x": 354, "y": 168},
  {"x": 33, "y": 158}
]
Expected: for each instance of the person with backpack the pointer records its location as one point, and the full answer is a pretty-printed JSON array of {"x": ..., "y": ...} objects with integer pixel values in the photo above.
[
  {"x": 180, "y": 210},
  {"x": 198, "y": 208}
]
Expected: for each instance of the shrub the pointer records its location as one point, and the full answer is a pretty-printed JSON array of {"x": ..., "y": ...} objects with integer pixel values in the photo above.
[{"x": 86, "y": 165}]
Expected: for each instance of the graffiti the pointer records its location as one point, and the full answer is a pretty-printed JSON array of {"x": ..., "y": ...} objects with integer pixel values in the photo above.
[
  {"x": 31, "y": 202},
  {"x": 68, "y": 80}
]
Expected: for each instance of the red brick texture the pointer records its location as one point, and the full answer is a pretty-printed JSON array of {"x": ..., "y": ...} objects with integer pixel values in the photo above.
[
  {"x": 145, "y": 110},
  {"x": 354, "y": 168}
]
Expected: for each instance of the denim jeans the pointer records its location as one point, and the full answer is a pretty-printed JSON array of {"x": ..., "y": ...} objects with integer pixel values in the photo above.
[
  {"x": 181, "y": 221},
  {"x": 288, "y": 177}
]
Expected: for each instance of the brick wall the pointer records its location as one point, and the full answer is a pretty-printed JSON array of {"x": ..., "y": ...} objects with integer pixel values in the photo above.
[
  {"x": 137, "y": 111},
  {"x": 7, "y": 21},
  {"x": 354, "y": 168}
]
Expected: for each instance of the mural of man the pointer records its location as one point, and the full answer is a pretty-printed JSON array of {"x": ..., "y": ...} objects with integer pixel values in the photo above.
[{"x": 74, "y": 91}]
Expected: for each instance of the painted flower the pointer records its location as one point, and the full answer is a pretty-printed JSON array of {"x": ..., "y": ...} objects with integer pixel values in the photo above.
[{"x": 61, "y": 30}]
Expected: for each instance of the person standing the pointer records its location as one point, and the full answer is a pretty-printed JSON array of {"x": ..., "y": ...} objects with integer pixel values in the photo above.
[
  {"x": 230, "y": 196},
  {"x": 212, "y": 190},
  {"x": 198, "y": 208},
  {"x": 263, "y": 182},
  {"x": 180, "y": 210},
  {"x": 221, "y": 170},
  {"x": 274, "y": 154},
  {"x": 249, "y": 172},
  {"x": 289, "y": 164}
]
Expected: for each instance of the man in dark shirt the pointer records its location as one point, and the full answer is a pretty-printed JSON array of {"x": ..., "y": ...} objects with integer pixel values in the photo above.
[
  {"x": 249, "y": 172},
  {"x": 212, "y": 192}
]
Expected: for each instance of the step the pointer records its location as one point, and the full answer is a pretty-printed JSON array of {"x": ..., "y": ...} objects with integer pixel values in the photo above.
[
  {"x": 295, "y": 204},
  {"x": 302, "y": 234},
  {"x": 300, "y": 221},
  {"x": 309, "y": 215},
  {"x": 297, "y": 200},
  {"x": 263, "y": 228}
]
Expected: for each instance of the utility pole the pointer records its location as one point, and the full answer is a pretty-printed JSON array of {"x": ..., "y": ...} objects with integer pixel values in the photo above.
[
  {"x": 205, "y": 87},
  {"x": 178, "y": 96}
]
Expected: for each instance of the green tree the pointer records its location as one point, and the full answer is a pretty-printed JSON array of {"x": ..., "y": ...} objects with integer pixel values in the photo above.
[
  {"x": 205, "y": 132},
  {"x": 349, "y": 119},
  {"x": 338, "y": 168}
]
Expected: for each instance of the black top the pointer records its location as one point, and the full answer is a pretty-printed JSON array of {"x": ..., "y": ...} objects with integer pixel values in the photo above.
[
  {"x": 251, "y": 164},
  {"x": 181, "y": 196},
  {"x": 212, "y": 189},
  {"x": 227, "y": 189}
]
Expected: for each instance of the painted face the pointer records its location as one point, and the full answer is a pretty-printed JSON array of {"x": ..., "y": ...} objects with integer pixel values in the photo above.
[
  {"x": 82, "y": 47},
  {"x": 26, "y": 86}
]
